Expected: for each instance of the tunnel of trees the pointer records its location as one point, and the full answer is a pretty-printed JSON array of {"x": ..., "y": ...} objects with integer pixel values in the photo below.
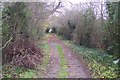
[
  {"x": 91, "y": 25},
  {"x": 53, "y": 30}
]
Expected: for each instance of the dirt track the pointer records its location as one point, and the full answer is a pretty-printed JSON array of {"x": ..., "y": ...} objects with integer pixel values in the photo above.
[{"x": 76, "y": 67}]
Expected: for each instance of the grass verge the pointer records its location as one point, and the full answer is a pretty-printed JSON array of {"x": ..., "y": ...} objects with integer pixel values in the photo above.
[
  {"x": 45, "y": 47},
  {"x": 63, "y": 64}
]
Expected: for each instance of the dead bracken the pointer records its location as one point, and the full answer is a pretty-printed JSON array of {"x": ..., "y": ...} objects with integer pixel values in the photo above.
[{"x": 22, "y": 52}]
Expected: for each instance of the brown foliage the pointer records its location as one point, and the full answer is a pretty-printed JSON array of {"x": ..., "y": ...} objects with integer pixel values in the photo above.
[{"x": 22, "y": 52}]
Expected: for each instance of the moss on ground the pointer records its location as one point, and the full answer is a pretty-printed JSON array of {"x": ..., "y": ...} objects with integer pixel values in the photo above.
[{"x": 63, "y": 63}]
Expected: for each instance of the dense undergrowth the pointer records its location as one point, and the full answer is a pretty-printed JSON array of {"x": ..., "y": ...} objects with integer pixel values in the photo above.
[
  {"x": 10, "y": 71},
  {"x": 99, "y": 62}
]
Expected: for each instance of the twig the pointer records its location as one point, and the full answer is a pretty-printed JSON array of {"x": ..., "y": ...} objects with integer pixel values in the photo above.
[
  {"x": 31, "y": 50},
  {"x": 6, "y": 43}
]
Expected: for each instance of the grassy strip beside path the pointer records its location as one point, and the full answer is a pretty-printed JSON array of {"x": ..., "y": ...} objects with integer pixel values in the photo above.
[
  {"x": 46, "y": 58},
  {"x": 63, "y": 73}
]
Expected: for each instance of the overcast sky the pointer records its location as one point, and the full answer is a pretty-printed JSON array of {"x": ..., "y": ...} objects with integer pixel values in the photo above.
[{"x": 78, "y": 1}]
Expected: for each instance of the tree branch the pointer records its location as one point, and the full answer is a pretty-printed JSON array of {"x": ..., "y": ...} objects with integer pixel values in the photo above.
[
  {"x": 57, "y": 6},
  {"x": 6, "y": 43}
]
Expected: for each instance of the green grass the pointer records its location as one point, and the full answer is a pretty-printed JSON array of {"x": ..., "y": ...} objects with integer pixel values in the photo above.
[
  {"x": 10, "y": 71},
  {"x": 99, "y": 62},
  {"x": 45, "y": 47},
  {"x": 63, "y": 64},
  {"x": 29, "y": 74}
]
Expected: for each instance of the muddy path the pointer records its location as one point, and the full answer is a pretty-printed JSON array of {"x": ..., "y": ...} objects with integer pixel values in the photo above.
[{"x": 75, "y": 66}]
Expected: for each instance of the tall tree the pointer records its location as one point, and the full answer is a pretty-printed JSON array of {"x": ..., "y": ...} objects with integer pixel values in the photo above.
[{"x": 114, "y": 27}]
